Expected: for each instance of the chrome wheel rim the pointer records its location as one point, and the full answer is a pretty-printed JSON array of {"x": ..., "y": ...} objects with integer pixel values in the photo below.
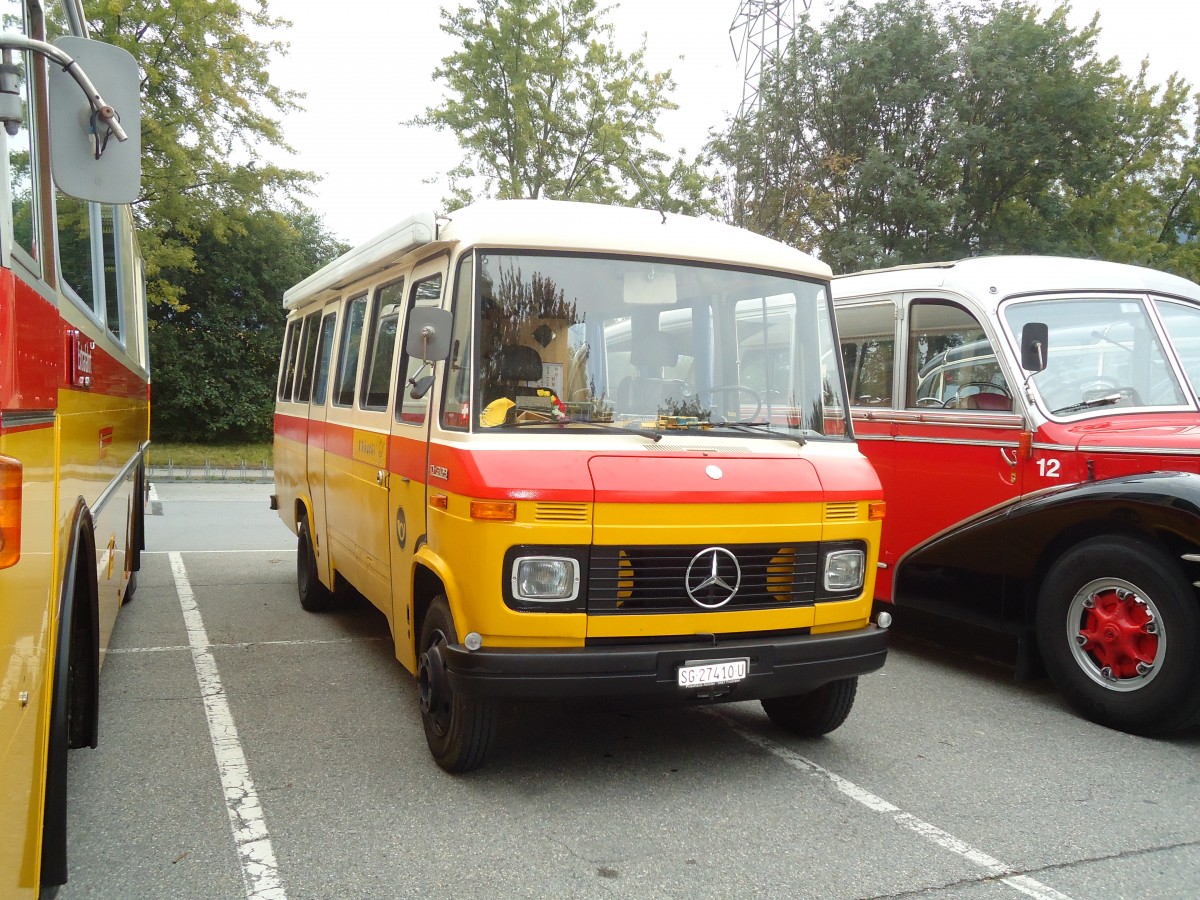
[{"x": 1116, "y": 634}]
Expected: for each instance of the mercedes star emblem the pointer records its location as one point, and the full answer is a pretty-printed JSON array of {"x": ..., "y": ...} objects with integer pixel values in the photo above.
[{"x": 713, "y": 577}]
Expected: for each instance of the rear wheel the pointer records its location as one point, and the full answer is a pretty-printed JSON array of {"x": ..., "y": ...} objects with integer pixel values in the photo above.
[
  {"x": 1118, "y": 626},
  {"x": 815, "y": 713},
  {"x": 458, "y": 729},
  {"x": 314, "y": 596}
]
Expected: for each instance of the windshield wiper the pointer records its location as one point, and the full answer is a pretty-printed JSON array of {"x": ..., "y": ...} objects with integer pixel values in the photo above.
[
  {"x": 591, "y": 426},
  {"x": 757, "y": 427},
  {"x": 1107, "y": 400}
]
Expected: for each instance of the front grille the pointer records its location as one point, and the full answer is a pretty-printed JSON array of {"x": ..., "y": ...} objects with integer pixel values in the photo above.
[{"x": 625, "y": 580}]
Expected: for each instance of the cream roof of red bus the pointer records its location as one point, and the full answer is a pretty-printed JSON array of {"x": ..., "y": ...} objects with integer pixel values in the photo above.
[
  {"x": 991, "y": 279},
  {"x": 559, "y": 225}
]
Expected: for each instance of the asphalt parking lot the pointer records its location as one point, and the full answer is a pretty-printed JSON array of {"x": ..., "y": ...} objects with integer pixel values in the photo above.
[{"x": 249, "y": 749}]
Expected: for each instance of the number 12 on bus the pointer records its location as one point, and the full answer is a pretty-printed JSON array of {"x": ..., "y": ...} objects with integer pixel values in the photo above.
[{"x": 74, "y": 410}]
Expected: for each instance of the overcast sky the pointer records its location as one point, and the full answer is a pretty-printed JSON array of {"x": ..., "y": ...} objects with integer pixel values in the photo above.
[{"x": 367, "y": 71}]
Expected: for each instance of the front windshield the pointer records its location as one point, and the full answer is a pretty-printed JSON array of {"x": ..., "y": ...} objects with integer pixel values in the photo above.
[
  {"x": 577, "y": 344},
  {"x": 1102, "y": 353}
]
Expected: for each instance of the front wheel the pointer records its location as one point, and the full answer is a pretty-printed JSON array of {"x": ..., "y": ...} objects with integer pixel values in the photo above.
[
  {"x": 815, "y": 713},
  {"x": 458, "y": 729},
  {"x": 1119, "y": 630}
]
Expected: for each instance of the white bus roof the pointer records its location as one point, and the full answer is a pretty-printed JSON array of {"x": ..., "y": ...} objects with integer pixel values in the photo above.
[
  {"x": 560, "y": 225},
  {"x": 995, "y": 278}
]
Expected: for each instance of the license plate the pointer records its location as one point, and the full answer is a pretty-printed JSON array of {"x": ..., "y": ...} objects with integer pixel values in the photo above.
[{"x": 725, "y": 671}]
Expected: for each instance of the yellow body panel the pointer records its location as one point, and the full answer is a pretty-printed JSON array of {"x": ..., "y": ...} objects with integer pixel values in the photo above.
[
  {"x": 470, "y": 555},
  {"x": 93, "y": 445},
  {"x": 26, "y": 590}
]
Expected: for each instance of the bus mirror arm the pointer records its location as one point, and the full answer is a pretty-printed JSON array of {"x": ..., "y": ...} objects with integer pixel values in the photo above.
[
  {"x": 101, "y": 110},
  {"x": 419, "y": 384}
]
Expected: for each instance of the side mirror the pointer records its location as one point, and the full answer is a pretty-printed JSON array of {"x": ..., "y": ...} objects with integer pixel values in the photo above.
[
  {"x": 429, "y": 333},
  {"x": 86, "y": 163},
  {"x": 419, "y": 387},
  {"x": 1035, "y": 344}
]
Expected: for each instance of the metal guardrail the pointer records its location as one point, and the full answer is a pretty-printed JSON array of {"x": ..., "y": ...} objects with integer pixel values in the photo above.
[{"x": 245, "y": 473}]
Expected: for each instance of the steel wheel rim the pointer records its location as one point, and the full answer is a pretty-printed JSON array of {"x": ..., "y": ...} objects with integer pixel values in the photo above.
[
  {"x": 431, "y": 686},
  {"x": 1116, "y": 634}
]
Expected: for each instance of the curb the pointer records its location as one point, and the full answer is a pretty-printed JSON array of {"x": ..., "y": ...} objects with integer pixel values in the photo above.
[{"x": 242, "y": 474}]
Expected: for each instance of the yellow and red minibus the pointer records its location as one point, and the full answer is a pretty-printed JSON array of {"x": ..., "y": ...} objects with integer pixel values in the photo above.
[
  {"x": 586, "y": 453},
  {"x": 74, "y": 412}
]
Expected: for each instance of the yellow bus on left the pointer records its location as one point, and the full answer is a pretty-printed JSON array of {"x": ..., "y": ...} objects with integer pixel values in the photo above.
[{"x": 74, "y": 408}]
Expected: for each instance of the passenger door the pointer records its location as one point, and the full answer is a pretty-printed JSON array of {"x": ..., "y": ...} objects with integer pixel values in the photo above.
[
  {"x": 938, "y": 421},
  {"x": 314, "y": 463},
  {"x": 371, "y": 436},
  {"x": 404, "y": 519},
  {"x": 346, "y": 462},
  {"x": 957, "y": 437}
]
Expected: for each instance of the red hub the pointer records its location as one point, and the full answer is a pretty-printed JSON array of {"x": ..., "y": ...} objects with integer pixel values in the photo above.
[{"x": 1118, "y": 634}]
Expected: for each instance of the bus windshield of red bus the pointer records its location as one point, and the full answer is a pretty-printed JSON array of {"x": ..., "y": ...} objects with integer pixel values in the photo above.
[
  {"x": 572, "y": 340},
  {"x": 1104, "y": 353}
]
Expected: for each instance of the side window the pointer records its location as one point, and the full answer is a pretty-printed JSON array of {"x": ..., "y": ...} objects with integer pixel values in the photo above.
[
  {"x": 455, "y": 412},
  {"x": 377, "y": 377},
  {"x": 426, "y": 292},
  {"x": 951, "y": 363},
  {"x": 349, "y": 351},
  {"x": 22, "y": 163},
  {"x": 868, "y": 339},
  {"x": 308, "y": 355},
  {"x": 324, "y": 353},
  {"x": 113, "y": 313},
  {"x": 287, "y": 371}
]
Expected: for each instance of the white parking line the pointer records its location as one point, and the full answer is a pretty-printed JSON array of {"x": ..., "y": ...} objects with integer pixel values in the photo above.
[
  {"x": 245, "y": 645},
  {"x": 239, "y": 550},
  {"x": 260, "y": 873},
  {"x": 994, "y": 867}
]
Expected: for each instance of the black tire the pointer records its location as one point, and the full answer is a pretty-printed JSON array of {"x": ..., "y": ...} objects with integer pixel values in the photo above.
[
  {"x": 130, "y": 588},
  {"x": 314, "y": 596},
  {"x": 137, "y": 536},
  {"x": 815, "y": 713},
  {"x": 458, "y": 729},
  {"x": 1119, "y": 631}
]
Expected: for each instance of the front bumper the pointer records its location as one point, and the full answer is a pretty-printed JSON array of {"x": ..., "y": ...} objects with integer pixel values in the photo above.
[{"x": 780, "y": 666}]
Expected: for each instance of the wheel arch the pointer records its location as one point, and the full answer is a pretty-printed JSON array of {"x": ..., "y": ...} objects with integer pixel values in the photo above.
[
  {"x": 1163, "y": 511},
  {"x": 78, "y": 632},
  {"x": 430, "y": 579},
  {"x": 961, "y": 574}
]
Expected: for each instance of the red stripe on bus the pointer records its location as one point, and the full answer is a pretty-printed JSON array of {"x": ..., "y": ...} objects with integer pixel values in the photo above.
[
  {"x": 17, "y": 429},
  {"x": 32, "y": 378},
  {"x": 565, "y": 475},
  {"x": 28, "y": 379}
]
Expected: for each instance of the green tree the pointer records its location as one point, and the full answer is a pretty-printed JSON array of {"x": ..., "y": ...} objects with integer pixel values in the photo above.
[
  {"x": 846, "y": 152},
  {"x": 208, "y": 108},
  {"x": 215, "y": 361},
  {"x": 543, "y": 105},
  {"x": 914, "y": 130}
]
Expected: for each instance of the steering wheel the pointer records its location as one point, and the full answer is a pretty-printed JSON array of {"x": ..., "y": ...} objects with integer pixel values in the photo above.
[
  {"x": 982, "y": 387},
  {"x": 1099, "y": 385},
  {"x": 737, "y": 390}
]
